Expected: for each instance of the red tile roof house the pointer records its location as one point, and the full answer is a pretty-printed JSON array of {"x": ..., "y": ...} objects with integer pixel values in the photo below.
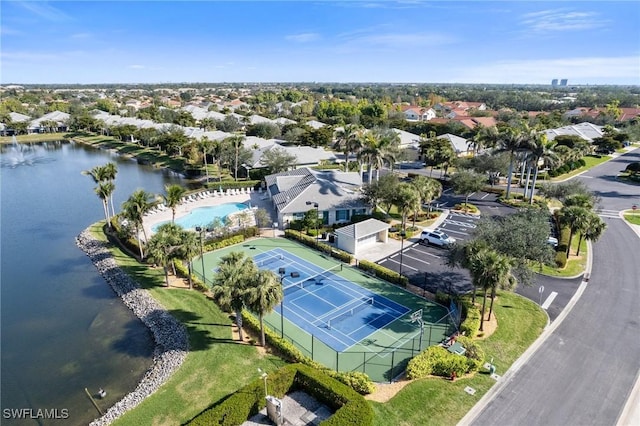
[{"x": 417, "y": 113}]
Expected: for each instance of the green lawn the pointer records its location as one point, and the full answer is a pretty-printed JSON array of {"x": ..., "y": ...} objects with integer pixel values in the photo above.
[
  {"x": 590, "y": 162},
  {"x": 216, "y": 365},
  {"x": 633, "y": 218},
  {"x": 574, "y": 267},
  {"x": 436, "y": 401},
  {"x": 35, "y": 137}
]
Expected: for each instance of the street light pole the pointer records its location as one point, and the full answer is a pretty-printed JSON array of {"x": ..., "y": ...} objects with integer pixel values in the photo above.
[
  {"x": 402, "y": 235},
  {"x": 282, "y": 271},
  {"x": 201, "y": 231},
  {"x": 315, "y": 205}
]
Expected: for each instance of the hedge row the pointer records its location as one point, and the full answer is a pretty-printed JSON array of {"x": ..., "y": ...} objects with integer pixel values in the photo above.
[
  {"x": 359, "y": 382},
  {"x": 230, "y": 239},
  {"x": 231, "y": 184},
  {"x": 383, "y": 273},
  {"x": 471, "y": 324},
  {"x": 566, "y": 168},
  {"x": 350, "y": 408},
  {"x": 314, "y": 243}
]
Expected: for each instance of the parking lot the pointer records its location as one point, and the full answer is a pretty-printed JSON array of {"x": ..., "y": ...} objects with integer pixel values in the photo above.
[{"x": 425, "y": 265}]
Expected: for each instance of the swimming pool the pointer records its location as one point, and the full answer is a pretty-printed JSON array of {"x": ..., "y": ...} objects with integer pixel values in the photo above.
[{"x": 203, "y": 216}]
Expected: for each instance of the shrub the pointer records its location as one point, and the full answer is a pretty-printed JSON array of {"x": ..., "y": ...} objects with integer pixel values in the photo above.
[
  {"x": 359, "y": 382},
  {"x": 350, "y": 407},
  {"x": 383, "y": 273},
  {"x": 437, "y": 361},
  {"x": 471, "y": 323},
  {"x": 231, "y": 184},
  {"x": 313, "y": 242},
  {"x": 474, "y": 353},
  {"x": 561, "y": 259}
]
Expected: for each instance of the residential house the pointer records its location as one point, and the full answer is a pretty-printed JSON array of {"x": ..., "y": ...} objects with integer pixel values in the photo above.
[
  {"x": 416, "y": 113},
  {"x": 459, "y": 145},
  {"x": 586, "y": 131},
  {"x": 335, "y": 193},
  {"x": 42, "y": 124}
]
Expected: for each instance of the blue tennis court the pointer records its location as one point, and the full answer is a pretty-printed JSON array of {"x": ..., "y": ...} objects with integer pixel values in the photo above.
[{"x": 335, "y": 310}]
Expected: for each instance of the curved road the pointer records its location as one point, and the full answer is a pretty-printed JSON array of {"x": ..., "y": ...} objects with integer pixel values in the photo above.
[{"x": 584, "y": 371}]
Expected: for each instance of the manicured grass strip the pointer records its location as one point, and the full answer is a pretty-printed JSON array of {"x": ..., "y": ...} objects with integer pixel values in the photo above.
[
  {"x": 36, "y": 137},
  {"x": 632, "y": 218},
  {"x": 574, "y": 266},
  {"x": 437, "y": 401},
  {"x": 590, "y": 162},
  {"x": 216, "y": 365}
]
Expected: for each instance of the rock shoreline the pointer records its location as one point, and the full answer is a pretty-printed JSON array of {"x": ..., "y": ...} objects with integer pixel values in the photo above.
[{"x": 172, "y": 343}]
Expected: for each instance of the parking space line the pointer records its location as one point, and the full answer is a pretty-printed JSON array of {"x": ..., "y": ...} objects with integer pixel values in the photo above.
[
  {"x": 549, "y": 300},
  {"x": 423, "y": 250},
  {"x": 417, "y": 259},
  {"x": 404, "y": 265},
  {"x": 485, "y": 196},
  {"x": 457, "y": 232}
]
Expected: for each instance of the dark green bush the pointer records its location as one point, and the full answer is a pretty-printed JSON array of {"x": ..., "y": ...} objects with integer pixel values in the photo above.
[
  {"x": 231, "y": 184},
  {"x": 383, "y": 273},
  {"x": 360, "y": 382},
  {"x": 350, "y": 408},
  {"x": 471, "y": 323},
  {"x": 437, "y": 361},
  {"x": 323, "y": 247},
  {"x": 561, "y": 259}
]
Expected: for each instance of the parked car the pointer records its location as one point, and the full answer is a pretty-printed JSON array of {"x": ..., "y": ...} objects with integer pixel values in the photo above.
[
  {"x": 552, "y": 241},
  {"x": 437, "y": 238}
]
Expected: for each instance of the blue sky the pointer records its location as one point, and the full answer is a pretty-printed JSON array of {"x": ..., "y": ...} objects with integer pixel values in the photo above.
[{"x": 592, "y": 42}]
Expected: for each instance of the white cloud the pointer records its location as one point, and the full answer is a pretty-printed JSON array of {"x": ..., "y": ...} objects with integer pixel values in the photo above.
[
  {"x": 43, "y": 9},
  {"x": 80, "y": 36},
  {"x": 557, "y": 20},
  {"x": 303, "y": 37}
]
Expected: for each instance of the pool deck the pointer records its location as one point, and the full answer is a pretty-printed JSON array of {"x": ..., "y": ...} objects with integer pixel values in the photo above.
[{"x": 257, "y": 200}]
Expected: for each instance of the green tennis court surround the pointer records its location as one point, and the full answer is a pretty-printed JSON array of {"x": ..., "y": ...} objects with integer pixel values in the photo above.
[{"x": 338, "y": 315}]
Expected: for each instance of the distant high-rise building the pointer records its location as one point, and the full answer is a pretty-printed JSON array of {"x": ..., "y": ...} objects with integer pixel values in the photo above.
[
  {"x": 554, "y": 82},
  {"x": 563, "y": 82}
]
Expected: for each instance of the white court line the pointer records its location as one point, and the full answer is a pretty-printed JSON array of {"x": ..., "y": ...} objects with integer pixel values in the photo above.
[{"x": 549, "y": 300}]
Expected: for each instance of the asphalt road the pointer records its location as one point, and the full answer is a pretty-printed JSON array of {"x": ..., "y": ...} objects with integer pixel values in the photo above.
[{"x": 584, "y": 371}]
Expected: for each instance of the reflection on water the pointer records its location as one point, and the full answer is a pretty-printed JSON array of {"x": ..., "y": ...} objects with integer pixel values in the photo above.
[{"x": 62, "y": 327}]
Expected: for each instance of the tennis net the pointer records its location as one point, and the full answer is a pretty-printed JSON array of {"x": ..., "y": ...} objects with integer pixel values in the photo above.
[
  {"x": 350, "y": 310},
  {"x": 270, "y": 259},
  {"x": 310, "y": 280}
]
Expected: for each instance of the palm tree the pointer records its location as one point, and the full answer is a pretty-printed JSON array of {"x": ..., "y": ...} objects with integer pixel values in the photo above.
[
  {"x": 134, "y": 209},
  {"x": 173, "y": 198},
  {"x": 237, "y": 142},
  {"x": 379, "y": 146},
  {"x": 541, "y": 150},
  {"x": 592, "y": 228},
  {"x": 231, "y": 284},
  {"x": 104, "y": 191},
  {"x": 165, "y": 246},
  {"x": 189, "y": 250},
  {"x": 349, "y": 140},
  {"x": 427, "y": 189},
  {"x": 265, "y": 293},
  {"x": 110, "y": 172},
  {"x": 574, "y": 217},
  {"x": 485, "y": 137},
  {"x": 509, "y": 140},
  {"x": 206, "y": 146},
  {"x": 407, "y": 199},
  {"x": 466, "y": 255},
  {"x": 490, "y": 269}
]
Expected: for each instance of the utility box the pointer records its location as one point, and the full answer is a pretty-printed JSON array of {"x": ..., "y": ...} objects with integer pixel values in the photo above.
[{"x": 274, "y": 410}]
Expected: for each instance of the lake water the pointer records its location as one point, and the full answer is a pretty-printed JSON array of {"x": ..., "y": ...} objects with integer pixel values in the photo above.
[{"x": 63, "y": 329}]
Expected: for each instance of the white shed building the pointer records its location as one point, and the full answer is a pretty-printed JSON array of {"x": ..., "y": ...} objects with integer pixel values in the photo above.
[{"x": 356, "y": 236}]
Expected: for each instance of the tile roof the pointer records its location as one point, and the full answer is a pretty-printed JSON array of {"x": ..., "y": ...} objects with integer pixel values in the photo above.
[{"x": 331, "y": 189}]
